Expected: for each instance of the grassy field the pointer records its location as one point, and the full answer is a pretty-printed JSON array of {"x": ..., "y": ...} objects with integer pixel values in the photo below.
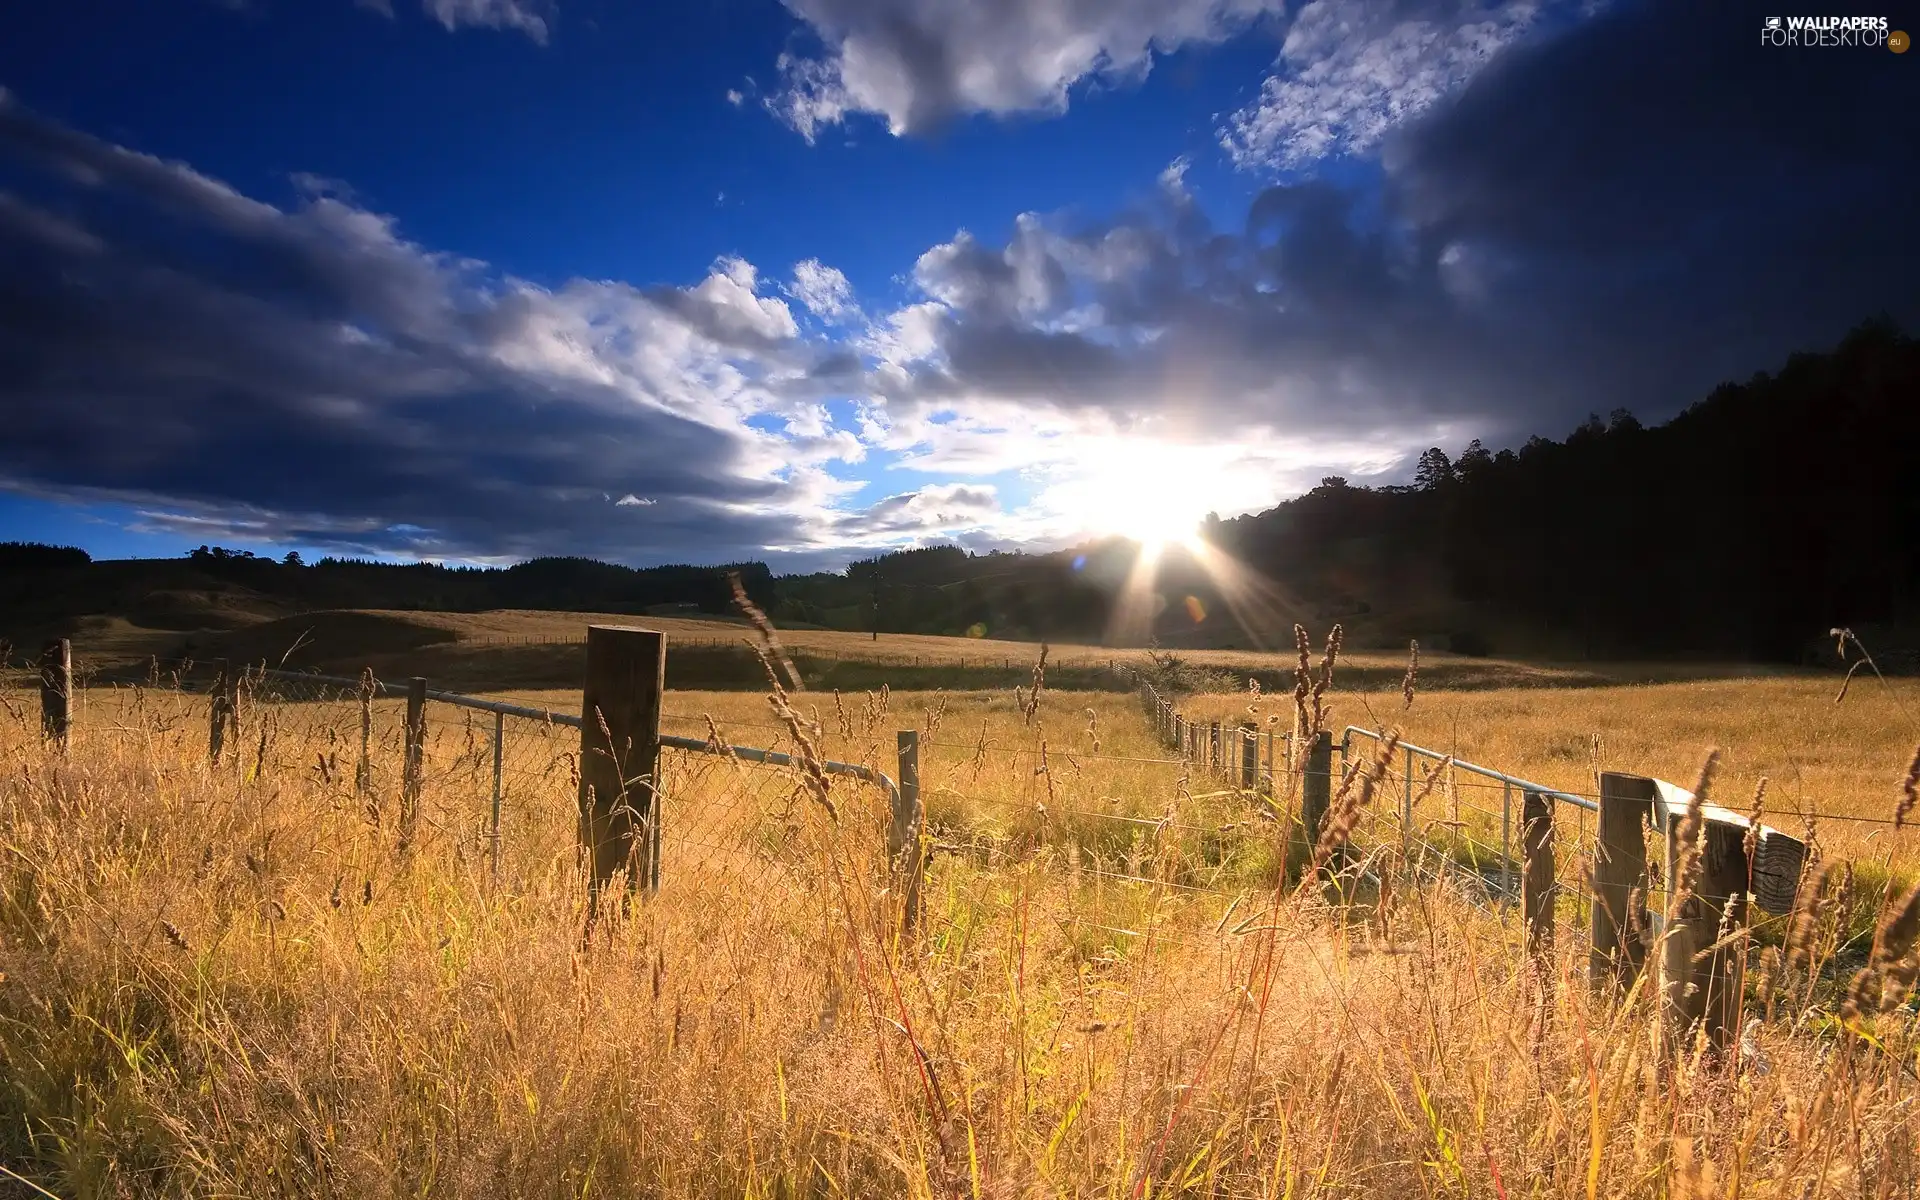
[
  {"x": 230, "y": 980},
  {"x": 538, "y": 649},
  {"x": 1832, "y": 761}
]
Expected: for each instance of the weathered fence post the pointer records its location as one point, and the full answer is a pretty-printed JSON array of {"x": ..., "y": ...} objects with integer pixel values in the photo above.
[
  {"x": 1249, "y": 758},
  {"x": 56, "y": 691},
  {"x": 904, "y": 848},
  {"x": 223, "y": 714},
  {"x": 1180, "y": 735},
  {"x": 1316, "y": 791},
  {"x": 1536, "y": 876},
  {"x": 1214, "y": 746},
  {"x": 413, "y": 766},
  {"x": 620, "y": 756},
  {"x": 1700, "y": 955},
  {"x": 1620, "y": 880}
]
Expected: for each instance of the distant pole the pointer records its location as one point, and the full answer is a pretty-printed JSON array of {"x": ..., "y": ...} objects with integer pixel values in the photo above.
[
  {"x": 363, "y": 770},
  {"x": 413, "y": 767},
  {"x": 1406, "y": 819},
  {"x": 499, "y": 735},
  {"x": 909, "y": 822},
  {"x": 620, "y": 756},
  {"x": 56, "y": 691},
  {"x": 221, "y": 712}
]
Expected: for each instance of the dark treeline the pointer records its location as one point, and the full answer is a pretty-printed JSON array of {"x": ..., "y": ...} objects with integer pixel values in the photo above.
[
  {"x": 213, "y": 586},
  {"x": 1745, "y": 527},
  {"x": 581, "y": 584}
]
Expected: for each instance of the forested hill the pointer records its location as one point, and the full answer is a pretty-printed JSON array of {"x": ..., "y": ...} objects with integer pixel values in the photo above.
[{"x": 1745, "y": 527}]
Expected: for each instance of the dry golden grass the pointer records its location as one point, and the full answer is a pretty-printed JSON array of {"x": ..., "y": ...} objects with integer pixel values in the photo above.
[
  {"x": 1841, "y": 760},
  {"x": 223, "y": 981},
  {"x": 473, "y": 643}
]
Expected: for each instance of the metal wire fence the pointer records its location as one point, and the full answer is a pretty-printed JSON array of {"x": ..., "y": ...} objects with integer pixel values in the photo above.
[
  {"x": 491, "y": 782},
  {"x": 1222, "y": 813}
]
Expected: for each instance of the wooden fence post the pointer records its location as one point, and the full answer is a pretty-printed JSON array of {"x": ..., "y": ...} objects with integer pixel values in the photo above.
[
  {"x": 413, "y": 766},
  {"x": 1180, "y": 734},
  {"x": 1700, "y": 978},
  {"x": 1536, "y": 878},
  {"x": 56, "y": 691},
  {"x": 1249, "y": 758},
  {"x": 1620, "y": 880},
  {"x": 1213, "y": 745},
  {"x": 909, "y": 821},
  {"x": 620, "y": 756},
  {"x": 1316, "y": 791}
]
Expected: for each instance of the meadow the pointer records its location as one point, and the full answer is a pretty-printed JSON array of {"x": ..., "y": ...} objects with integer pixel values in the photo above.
[{"x": 229, "y": 979}]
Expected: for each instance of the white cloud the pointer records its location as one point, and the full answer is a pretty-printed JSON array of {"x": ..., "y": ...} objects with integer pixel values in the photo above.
[
  {"x": 531, "y": 17},
  {"x": 458, "y": 412},
  {"x": 915, "y": 63},
  {"x": 736, "y": 97},
  {"x": 824, "y": 290},
  {"x": 1350, "y": 70},
  {"x": 942, "y": 509}
]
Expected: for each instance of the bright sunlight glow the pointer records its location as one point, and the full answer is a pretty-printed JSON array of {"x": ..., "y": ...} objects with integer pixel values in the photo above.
[{"x": 1143, "y": 491}]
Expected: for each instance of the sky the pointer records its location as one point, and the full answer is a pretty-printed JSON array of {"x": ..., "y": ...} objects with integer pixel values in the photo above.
[{"x": 804, "y": 280}]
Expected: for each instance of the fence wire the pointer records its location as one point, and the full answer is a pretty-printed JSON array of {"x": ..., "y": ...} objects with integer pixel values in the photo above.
[{"x": 1216, "y": 815}]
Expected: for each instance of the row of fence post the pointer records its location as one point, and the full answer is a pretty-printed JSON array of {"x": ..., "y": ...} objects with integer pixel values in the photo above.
[
  {"x": 1700, "y": 968},
  {"x": 621, "y": 704},
  {"x": 1210, "y": 744}
]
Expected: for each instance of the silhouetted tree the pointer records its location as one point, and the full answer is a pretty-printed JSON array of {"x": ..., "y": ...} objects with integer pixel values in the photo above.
[{"x": 1434, "y": 471}]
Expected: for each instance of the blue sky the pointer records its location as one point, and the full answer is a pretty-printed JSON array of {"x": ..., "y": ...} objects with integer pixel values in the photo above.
[{"x": 485, "y": 279}]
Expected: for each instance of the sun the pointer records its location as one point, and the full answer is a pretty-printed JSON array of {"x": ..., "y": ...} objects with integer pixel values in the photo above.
[
  {"x": 1154, "y": 518},
  {"x": 1132, "y": 496}
]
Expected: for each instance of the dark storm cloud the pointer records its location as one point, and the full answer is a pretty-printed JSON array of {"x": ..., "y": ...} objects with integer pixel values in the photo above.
[
  {"x": 1621, "y": 215},
  {"x": 306, "y": 375}
]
